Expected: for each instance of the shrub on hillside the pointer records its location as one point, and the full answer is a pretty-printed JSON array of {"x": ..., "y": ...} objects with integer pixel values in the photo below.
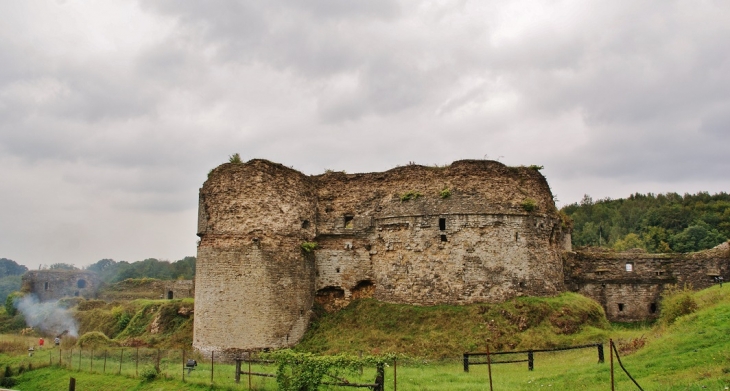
[
  {"x": 677, "y": 302},
  {"x": 95, "y": 339}
]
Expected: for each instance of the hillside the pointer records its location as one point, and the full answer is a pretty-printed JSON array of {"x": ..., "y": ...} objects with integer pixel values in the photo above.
[
  {"x": 443, "y": 331},
  {"x": 153, "y": 323}
]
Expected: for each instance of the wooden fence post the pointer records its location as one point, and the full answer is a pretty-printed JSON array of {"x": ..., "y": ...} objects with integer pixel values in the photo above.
[
  {"x": 466, "y": 362},
  {"x": 610, "y": 351},
  {"x": 238, "y": 370},
  {"x": 600, "y": 353},
  {"x": 183, "y": 364},
  {"x": 489, "y": 366},
  {"x": 530, "y": 361},
  {"x": 121, "y": 359}
]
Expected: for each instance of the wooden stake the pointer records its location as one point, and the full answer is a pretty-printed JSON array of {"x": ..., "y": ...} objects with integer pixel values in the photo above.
[{"x": 489, "y": 366}]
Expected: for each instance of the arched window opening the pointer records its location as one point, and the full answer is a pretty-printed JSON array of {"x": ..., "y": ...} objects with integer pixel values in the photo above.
[
  {"x": 169, "y": 295},
  {"x": 81, "y": 284}
]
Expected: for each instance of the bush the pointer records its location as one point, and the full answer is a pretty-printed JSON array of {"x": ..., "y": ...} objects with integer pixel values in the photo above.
[
  {"x": 677, "y": 302},
  {"x": 445, "y": 193},
  {"x": 308, "y": 247},
  {"x": 149, "y": 373},
  {"x": 410, "y": 195},
  {"x": 235, "y": 159},
  {"x": 10, "y": 303},
  {"x": 94, "y": 339},
  {"x": 529, "y": 204}
]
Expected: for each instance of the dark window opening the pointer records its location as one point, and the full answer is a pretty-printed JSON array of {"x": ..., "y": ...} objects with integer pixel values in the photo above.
[
  {"x": 620, "y": 307},
  {"x": 46, "y": 286},
  {"x": 77, "y": 293},
  {"x": 305, "y": 224},
  {"x": 659, "y": 273},
  {"x": 81, "y": 284},
  {"x": 337, "y": 269},
  {"x": 600, "y": 273},
  {"x": 442, "y": 224},
  {"x": 517, "y": 236},
  {"x": 652, "y": 308},
  {"x": 443, "y": 238},
  {"x": 301, "y": 312},
  {"x": 348, "y": 222},
  {"x": 169, "y": 295}
]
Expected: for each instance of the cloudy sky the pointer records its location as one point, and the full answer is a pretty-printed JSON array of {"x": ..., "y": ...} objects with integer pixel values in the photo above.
[{"x": 112, "y": 113}]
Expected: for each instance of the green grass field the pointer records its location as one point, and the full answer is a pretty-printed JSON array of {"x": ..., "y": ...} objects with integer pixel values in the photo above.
[{"x": 693, "y": 353}]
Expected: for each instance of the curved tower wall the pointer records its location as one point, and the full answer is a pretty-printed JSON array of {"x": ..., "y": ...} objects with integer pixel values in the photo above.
[{"x": 254, "y": 287}]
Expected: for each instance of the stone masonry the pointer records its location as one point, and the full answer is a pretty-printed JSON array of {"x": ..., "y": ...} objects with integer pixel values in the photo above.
[
  {"x": 55, "y": 284},
  {"x": 467, "y": 233},
  {"x": 474, "y": 231}
]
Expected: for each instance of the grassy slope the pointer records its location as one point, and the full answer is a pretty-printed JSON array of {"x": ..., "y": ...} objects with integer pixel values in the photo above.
[
  {"x": 155, "y": 323},
  {"x": 447, "y": 331}
]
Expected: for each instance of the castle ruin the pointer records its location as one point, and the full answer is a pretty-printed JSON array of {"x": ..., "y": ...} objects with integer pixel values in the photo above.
[{"x": 274, "y": 241}]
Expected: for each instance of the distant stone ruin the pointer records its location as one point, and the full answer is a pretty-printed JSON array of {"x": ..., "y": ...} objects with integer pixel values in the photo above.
[
  {"x": 275, "y": 242},
  {"x": 55, "y": 284}
]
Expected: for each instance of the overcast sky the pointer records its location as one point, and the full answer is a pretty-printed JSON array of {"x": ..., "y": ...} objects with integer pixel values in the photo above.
[{"x": 112, "y": 113}]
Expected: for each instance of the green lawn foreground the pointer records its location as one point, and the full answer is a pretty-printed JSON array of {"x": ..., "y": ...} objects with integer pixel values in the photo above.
[{"x": 691, "y": 354}]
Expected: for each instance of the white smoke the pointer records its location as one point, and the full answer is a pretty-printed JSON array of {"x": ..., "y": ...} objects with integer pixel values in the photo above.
[{"x": 48, "y": 316}]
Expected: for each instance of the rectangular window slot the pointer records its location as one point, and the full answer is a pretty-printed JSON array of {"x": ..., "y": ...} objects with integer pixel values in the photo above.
[
  {"x": 652, "y": 308},
  {"x": 348, "y": 222},
  {"x": 442, "y": 224},
  {"x": 620, "y": 307},
  {"x": 659, "y": 273},
  {"x": 600, "y": 273},
  {"x": 46, "y": 286},
  {"x": 443, "y": 238}
]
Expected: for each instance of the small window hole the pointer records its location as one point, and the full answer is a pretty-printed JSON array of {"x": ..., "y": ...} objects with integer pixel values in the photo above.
[
  {"x": 517, "y": 236},
  {"x": 629, "y": 267},
  {"x": 442, "y": 224},
  {"x": 337, "y": 269},
  {"x": 348, "y": 222},
  {"x": 620, "y": 307},
  {"x": 169, "y": 295},
  {"x": 46, "y": 286},
  {"x": 652, "y": 308},
  {"x": 305, "y": 224},
  {"x": 443, "y": 238}
]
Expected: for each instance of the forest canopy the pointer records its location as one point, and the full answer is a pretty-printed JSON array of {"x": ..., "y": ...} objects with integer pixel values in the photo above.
[{"x": 656, "y": 223}]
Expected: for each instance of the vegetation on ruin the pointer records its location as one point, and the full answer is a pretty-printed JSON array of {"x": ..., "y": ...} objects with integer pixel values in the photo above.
[
  {"x": 536, "y": 167},
  {"x": 656, "y": 223},
  {"x": 529, "y": 204},
  {"x": 235, "y": 159},
  {"x": 445, "y": 193},
  {"x": 308, "y": 247},
  {"x": 410, "y": 195}
]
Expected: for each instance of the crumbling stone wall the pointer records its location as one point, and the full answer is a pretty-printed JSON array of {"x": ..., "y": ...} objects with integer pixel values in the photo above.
[
  {"x": 463, "y": 237},
  {"x": 178, "y": 289},
  {"x": 54, "y": 284},
  {"x": 633, "y": 293}
]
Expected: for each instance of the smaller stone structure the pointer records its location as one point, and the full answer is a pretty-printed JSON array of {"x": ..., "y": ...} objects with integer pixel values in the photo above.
[
  {"x": 179, "y": 289},
  {"x": 50, "y": 285},
  {"x": 629, "y": 284}
]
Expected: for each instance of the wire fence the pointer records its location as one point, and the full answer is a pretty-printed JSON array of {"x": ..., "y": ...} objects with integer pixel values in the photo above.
[{"x": 252, "y": 373}]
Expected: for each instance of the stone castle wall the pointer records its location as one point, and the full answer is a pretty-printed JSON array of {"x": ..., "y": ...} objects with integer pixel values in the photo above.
[
  {"x": 255, "y": 285},
  {"x": 629, "y": 284}
]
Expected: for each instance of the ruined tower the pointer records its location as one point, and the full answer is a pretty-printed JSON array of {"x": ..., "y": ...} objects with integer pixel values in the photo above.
[{"x": 474, "y": 231}]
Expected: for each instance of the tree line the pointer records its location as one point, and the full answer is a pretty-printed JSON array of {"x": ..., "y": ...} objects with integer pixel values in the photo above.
[{"x": 660, "y": 223}]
